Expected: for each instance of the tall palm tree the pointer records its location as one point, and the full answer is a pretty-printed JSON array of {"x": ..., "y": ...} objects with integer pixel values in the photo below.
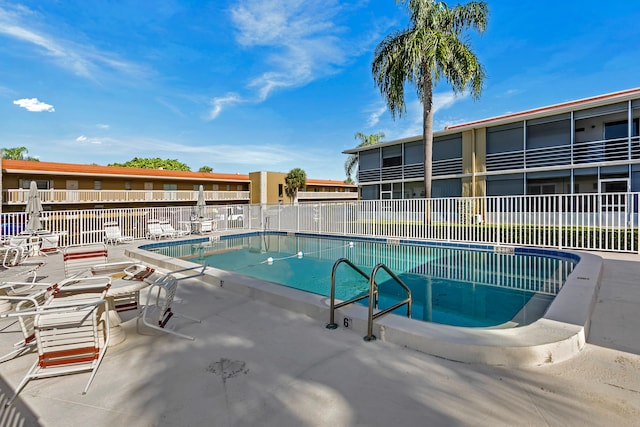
[
  {"x": 295, "y": 180},
  {"x": 352, "y": 161},
  {"x": 431, "y": 48}
]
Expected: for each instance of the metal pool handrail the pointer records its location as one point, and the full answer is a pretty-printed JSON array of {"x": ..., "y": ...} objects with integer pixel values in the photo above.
[
  {"x": 372, "y": 295},
  {"x": 370, "y": 336}
]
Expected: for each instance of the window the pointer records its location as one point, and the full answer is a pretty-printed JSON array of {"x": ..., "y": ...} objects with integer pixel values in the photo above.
[
  {"x": 170, "y": 187},
  {"x": 127, "y": 185},
  {"x": 505, "y": 138},
  {"x": 370, "y": 192},
  {"x": 446, "y": 188},
  {"x": 239, "y": 187},
  {"x": 216, "y": 187},
  {"x": 447, "y": 147},
  {"x": 280, "y": 190},
  {"x": 392, "y": 156},
  {"x": 505, "y": 185},
  {"x": 413, "y": 153},
  {"x": 369, "y": 159},
  {"x": 97, "y": 185},
  {"x": 551, "y": 132},
  {"x": 619, "y": 129},
  {"x": 42, "y": 184}
]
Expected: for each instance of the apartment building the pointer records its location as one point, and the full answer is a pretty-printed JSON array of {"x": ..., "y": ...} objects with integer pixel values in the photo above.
[
  {"x": 590, "y": 145},
  {"x": 75, "y": 186}
]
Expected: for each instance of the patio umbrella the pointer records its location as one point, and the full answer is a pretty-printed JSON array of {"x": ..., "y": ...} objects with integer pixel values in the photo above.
[
  {"x": 200, "y": 205},
  {"x": 34, "y": 208}
]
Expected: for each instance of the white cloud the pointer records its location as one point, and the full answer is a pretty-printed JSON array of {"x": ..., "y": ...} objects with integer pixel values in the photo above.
[
  {"x": 299, "y": 40},
  {"x": 83, "y": 138},
  {"x": 33, "y": 105},
  {"x": 374, "y": 116},
  {"x": 220, "y": 102},
  {"x": 102, "y": 126},
  {"x": 444, "y": 100},
  {"x": 20, "y": 23}
]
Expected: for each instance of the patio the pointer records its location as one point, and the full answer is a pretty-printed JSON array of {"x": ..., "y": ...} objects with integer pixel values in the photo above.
[{"x": 255, "y": 364}]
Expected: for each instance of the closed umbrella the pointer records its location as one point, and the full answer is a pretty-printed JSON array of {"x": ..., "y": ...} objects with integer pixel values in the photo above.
[
  {"x": 34, "y": 208},
  {"x": 200, "y": 205}
]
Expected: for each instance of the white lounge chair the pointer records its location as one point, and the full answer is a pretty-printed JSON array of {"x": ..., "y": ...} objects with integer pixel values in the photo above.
[
  {"x": 113, "y": 234},
  {"x": 155, "y": 231},
  {"x": 157, "y": 311},
  {"x": 168, "y": 229}
]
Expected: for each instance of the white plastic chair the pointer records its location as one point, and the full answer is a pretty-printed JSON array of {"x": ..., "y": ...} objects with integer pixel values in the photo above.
[
  {"x": 157, "y": 311},
  {"x": 113, "y": 234},
  {"x": 70, "y": 338}
]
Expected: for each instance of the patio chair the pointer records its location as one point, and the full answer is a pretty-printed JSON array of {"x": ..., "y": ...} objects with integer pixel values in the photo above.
[
  {"x": 17, "y": 250},
  {"x": 71, "y": 336},
  {"x": 78, "y": 260},
  {"x": 92, "y": 260},
  {"x": 168, "y": 229},
  {"x": 157, "y": 311},
  {"x": 26, "y": 296},
  {"x": 155, "y": 231},
  {"x": 113, "y": 234},
  {"x": 49, "y": 244},
  {"x": 31, "y": 296}
]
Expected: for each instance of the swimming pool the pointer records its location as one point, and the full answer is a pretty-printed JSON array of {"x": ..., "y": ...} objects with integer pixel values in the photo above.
[{"x": 477, "y": 286}]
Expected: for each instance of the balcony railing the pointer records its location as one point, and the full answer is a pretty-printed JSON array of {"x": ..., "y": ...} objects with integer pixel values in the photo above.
[
  {"x": 327, "y": 195},
  {"x": 611, "y": 150},
  {"x": 19, "y": 197}
]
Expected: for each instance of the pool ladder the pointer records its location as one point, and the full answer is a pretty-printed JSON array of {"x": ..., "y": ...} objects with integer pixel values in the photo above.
[{"x": 372, "y": 295}]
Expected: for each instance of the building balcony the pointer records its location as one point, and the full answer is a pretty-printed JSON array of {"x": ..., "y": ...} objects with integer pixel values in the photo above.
[
  {"x": 327, "y": 195},
  {"x": 65, "y": 197}
]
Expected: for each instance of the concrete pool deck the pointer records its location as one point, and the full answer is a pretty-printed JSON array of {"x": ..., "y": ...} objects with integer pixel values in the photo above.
[{"x": 254, "y": 363}]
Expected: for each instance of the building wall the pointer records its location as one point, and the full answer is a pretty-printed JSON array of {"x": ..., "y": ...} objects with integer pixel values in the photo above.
[
  {"x": 13, "y": 181},
  {"x": 577, "y": 147}
]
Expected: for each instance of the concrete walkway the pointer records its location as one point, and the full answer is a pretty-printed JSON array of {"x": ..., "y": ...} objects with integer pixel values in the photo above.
[{"x": 254, "y": 364}]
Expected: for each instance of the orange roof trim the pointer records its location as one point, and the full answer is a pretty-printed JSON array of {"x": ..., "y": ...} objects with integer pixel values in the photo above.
[
  {"x": 329, "y": 182},
  {"x": 75, "y": 169}
]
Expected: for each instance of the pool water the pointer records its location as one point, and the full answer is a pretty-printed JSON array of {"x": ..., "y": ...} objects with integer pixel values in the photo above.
[{"x": 460, "y": 287}]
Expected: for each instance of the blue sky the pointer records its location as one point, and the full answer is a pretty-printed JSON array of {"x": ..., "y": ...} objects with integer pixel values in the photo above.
[{"x": 249, "y": 85}]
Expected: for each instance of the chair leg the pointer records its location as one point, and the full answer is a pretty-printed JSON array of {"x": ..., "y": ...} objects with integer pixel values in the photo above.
[{"x": 24, "y": 382}]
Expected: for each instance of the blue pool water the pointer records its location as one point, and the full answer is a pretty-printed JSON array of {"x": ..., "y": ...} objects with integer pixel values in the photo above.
[{"x": 460, "y": 287}]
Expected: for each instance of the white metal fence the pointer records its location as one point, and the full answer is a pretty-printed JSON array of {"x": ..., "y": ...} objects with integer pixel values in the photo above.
[
  {"x": 81, "y": 227},
  {"x": 603, "y": 222}
]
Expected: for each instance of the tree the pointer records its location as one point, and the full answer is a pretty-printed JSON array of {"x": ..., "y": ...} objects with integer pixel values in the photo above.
[
  {"x": 207, "y": 169},
  {"x": 155, "y": 163},
  {"x": 431, "y": 48},
  {"x": 295, "y": 180},
  {"x": 352, "y": 161},
  {"x": 17, "y": 153}
]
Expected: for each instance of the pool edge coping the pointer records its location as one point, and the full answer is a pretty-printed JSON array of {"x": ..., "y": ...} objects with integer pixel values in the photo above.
[{"x": 558, "y": 335}]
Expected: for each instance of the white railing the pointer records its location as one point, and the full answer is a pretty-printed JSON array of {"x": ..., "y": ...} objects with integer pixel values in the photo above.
[
  {"x": 601, "y": 222},
  {"x": 52, "y": 196},
  {"x": 580, "y": 153},
  {"x": 328, "y": 195},
  {"x": 81, "y": 227}
]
